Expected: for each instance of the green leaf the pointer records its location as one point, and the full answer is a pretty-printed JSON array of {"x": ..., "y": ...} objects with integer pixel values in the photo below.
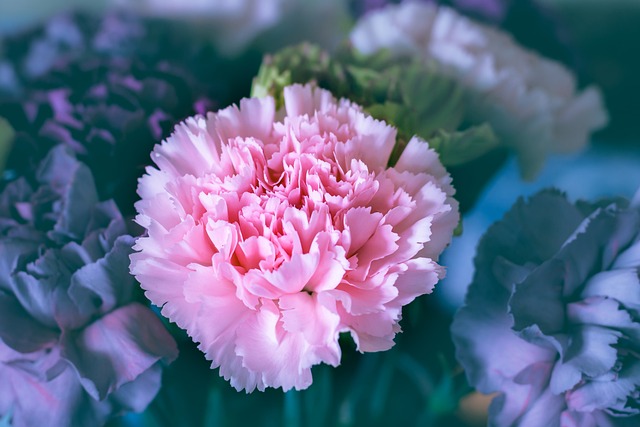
[
  {"x": 456, "y": 148},
  {"x": 7, "y": 135},
  {"x": 438, "y": 102}
]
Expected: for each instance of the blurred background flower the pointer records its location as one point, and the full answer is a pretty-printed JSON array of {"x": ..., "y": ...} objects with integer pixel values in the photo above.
[
  {"x": 75, "y": 346},
  {"x": 232, "y": 24},
  {"x": 532, "y": 103},
  {"x": 235, "y": 25},
  {"x": 30, "y": 54},
  {"x": 532, "y": 23},
  {"x": 550, "y": 320},
  {"x": 109, "y": 88}
]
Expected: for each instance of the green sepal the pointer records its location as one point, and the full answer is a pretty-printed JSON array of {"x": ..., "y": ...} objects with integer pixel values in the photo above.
[
  {"x": 7, "y": 135},
  {"x": 268, "y": 82},
  {"x": 303, "y": 63},
  {"x": 457, "y": 232}
]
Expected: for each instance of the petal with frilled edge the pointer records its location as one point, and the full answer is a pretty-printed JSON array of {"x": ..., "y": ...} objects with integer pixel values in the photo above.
[{"x": 117, "y": 348}]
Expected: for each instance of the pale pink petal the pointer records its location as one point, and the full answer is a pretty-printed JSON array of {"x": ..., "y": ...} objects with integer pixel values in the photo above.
[
  {"x": 332, "y": 265},
  {"x": 381, "y": 244},
  {"x": 359, "y": 225},
  {"x": 188, "y": 151},
  {"x": 318, "y": 323},
  {"x": 419, "y": 277},
  {"x": 293, "y": 275},
  {"x": 220, "y": 314},
  {"x": 266, "y": 347},
  {"x": 288, "y": 231},
  {"x": 254, "y": 119},
  {"x": 372, "y": 332},
  {"x": 302, "y": 100}
]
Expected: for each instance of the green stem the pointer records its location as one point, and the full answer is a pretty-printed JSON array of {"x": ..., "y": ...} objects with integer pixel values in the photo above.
[{"x": 292, "y": 415}]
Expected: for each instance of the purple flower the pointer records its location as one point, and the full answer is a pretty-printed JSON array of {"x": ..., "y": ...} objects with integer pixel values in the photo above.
[
  {"x": 531, "y": 22},
  {"x": 551, "y": 318},
  {"x": 75, "y": 347},
  {"x": 108, "y": 102},
  {"x": 63, "y": 39}
]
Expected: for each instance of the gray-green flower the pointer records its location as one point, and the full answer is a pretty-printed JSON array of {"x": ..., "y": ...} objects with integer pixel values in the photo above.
[{"x": 551, "y": 321}]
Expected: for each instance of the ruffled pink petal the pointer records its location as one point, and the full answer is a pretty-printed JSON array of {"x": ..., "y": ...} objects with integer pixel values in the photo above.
[
  {"x": 220, "y": 314},
  {"x": 315, "y": 318},
  {"x": 282, "y": 358},
  {"x": 372, "y": 332},
  {"x": 190, "y": 150},
  {"x": 288, "y": 230},
  {"x": 302, "y": 100},
  {"x": 332, "y": 264}
]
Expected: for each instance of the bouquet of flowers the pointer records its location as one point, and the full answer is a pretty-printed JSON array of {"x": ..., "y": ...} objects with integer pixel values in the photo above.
[{"x": 210, "y": 217}]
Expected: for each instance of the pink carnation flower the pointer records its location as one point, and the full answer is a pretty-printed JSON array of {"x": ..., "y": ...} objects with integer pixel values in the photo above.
[{"x": 270, "y": 233}]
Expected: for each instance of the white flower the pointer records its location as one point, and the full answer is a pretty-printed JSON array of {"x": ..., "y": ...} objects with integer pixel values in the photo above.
[
  {"x": 531, "y": 102},
  {"x": 233, "y": 24}
]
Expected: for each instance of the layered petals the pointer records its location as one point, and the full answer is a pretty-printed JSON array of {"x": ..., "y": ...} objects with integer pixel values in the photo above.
[
  {"x": 550, "y": 321},
  {"x": 75, "y": 349},
  {"x": 286, "y": 229}
]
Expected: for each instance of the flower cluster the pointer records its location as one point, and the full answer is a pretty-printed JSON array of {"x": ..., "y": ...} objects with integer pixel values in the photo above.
[
  {"x": 234, "y": 24},
  {"x": 551, "y": 319},
  {"x": 533, "y": 23},
  {"x": 75, "y": 346},
  {"x": 64, "y": 39},
  {"x": 531, "y": 102},
  {"x": 304, "y": 220},
  {"x": 109, "y": 106},
  {"x": 270, "y": 233}
]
